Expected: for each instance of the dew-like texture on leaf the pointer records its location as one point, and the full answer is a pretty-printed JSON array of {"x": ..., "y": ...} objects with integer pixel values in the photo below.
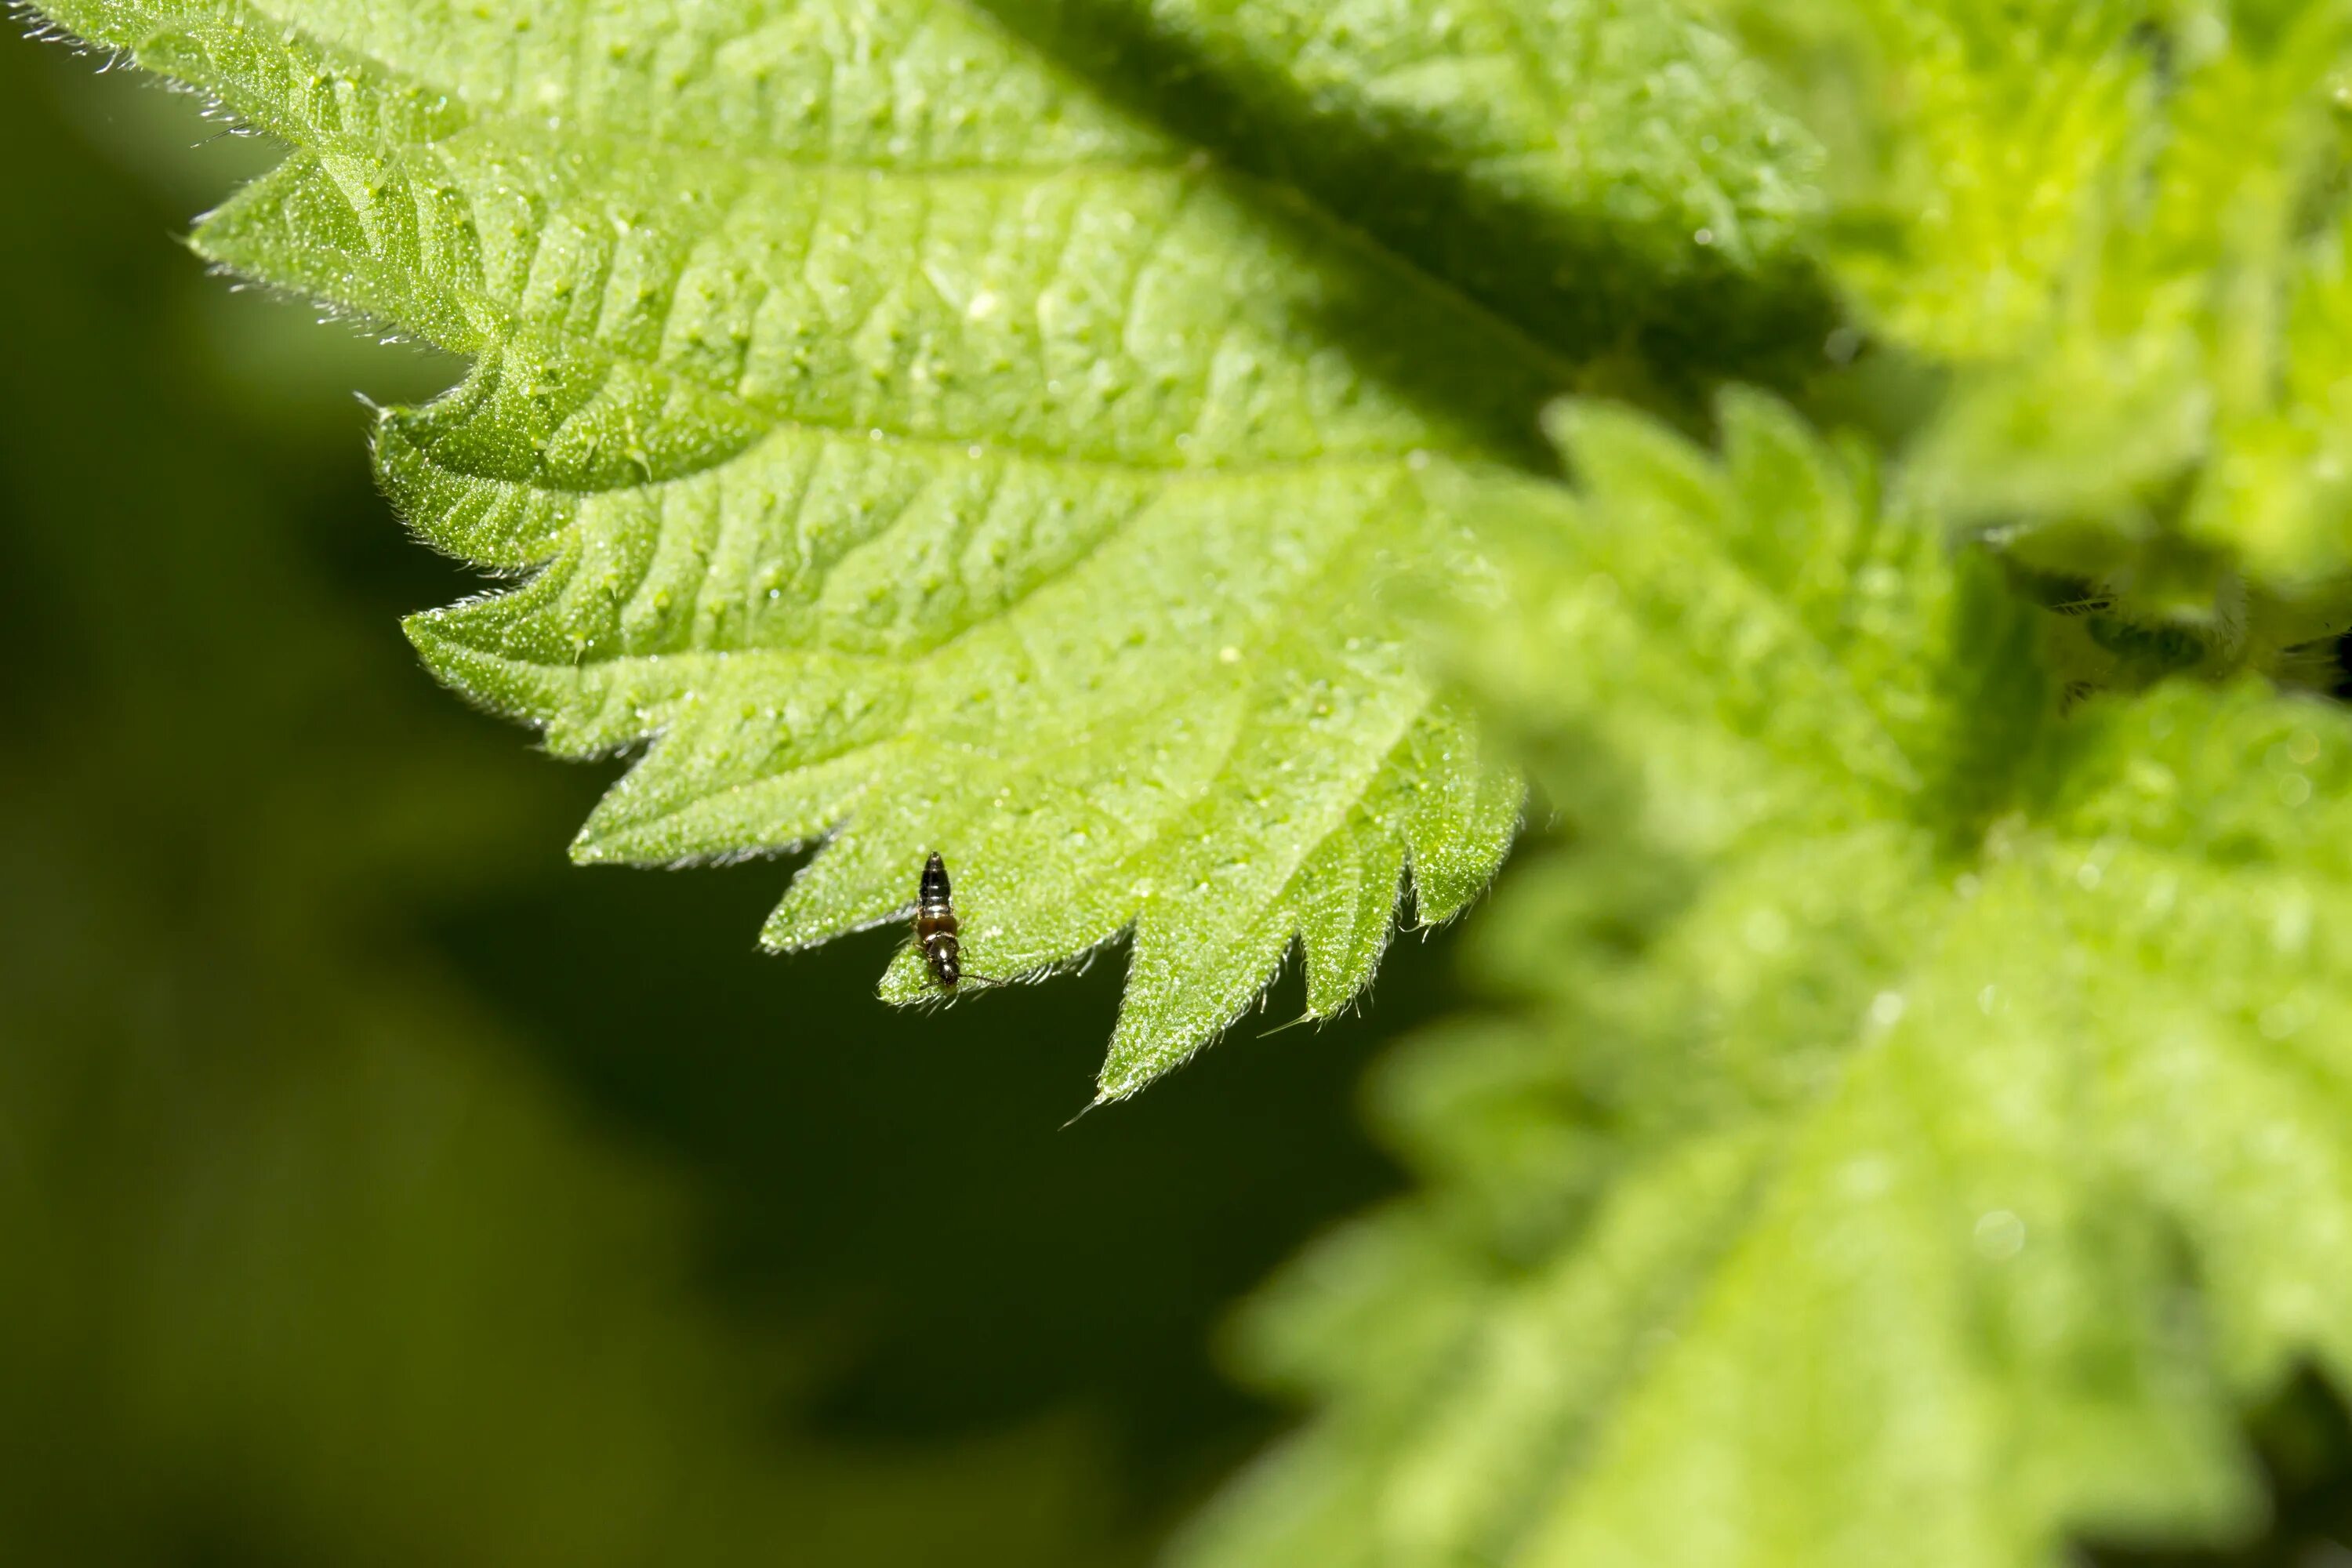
[
  {"x": 951, "y": 428},
  {"x": 2122, "y": 228},
  {"x": 1916, "y": 1116}
]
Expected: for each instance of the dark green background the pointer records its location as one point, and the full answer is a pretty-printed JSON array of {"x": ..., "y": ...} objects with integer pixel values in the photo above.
[{"x": 375, "y": 1186}]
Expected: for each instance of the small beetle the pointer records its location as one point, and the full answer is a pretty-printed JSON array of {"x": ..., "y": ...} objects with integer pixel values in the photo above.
[{"x": 935, "y": 925}]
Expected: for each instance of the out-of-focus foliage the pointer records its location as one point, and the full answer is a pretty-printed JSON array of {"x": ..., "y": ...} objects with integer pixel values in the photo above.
[
  {"x": 1919, "y": 1119},
  {"x": 1917, "y": 1126},
  {"x": 2119, "y": 228}
]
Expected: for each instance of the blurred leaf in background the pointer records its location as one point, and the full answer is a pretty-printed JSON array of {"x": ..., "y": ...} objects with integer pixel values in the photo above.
[
  {"x": 2115, "y": 234},
  {"x": 377, "y": 1190},
  {"x": 1913, "y": 1116}
]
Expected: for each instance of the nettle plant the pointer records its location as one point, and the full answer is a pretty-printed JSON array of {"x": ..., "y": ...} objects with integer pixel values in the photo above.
[{"x": 1881, "y": 468}]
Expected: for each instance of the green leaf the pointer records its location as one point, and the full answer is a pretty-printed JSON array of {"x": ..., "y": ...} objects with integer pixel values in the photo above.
[
  {"x": 1919, "y": 1116},
  {"x": 997, "y": 431},
  {"x": 2120, "y": 228}
]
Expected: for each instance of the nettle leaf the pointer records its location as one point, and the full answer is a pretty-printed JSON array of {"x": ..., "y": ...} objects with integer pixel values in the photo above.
[
  {"x": 994, "y": 430},
  {"x": 2121, "y": 227},
  {"x": 1920, "y": 1116}
]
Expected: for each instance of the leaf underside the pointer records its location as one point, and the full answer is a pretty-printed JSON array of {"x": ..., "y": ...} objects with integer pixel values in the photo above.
[{"x": 917, "y": 448}]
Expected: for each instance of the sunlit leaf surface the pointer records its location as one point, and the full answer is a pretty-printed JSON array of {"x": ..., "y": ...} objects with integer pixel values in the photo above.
[{"x": 939, "y": 428}]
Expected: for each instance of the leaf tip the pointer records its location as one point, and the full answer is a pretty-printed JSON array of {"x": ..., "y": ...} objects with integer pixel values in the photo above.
[
  {"x": 429, "y": 633},
  {"x": 903, "y": 982}
]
